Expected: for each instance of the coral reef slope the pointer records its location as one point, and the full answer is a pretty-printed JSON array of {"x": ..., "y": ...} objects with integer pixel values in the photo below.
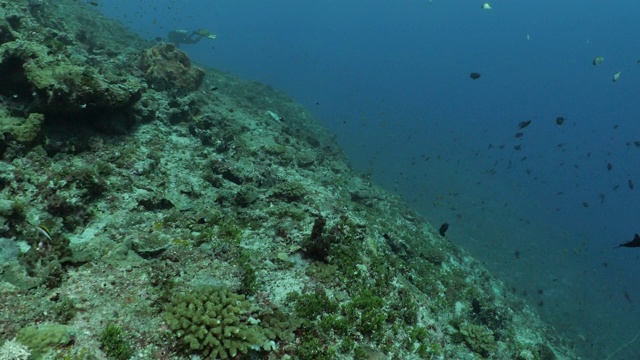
[{"x": 154, "y": 209}]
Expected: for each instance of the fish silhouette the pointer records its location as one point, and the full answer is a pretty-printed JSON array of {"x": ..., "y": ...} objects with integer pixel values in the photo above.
[
  {"x": 633, "y": 243},
  {"x": 524, "y": 124},
  {"x": 443, "y": 229}
]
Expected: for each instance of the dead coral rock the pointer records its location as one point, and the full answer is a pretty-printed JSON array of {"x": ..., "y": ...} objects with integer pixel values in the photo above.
[
  {"x": 166, "y": 67},
  {"x": 57, "y": 85}
]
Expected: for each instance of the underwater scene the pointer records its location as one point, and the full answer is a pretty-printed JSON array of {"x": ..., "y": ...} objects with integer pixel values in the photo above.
[{"x": 319, "y": 179}]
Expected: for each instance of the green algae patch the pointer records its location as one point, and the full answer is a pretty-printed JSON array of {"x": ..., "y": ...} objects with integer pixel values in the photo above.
[
  {"x": 114, "y": 343},
  {"x": 24, "y": 130},
  {"x": 41, "y": 339}
]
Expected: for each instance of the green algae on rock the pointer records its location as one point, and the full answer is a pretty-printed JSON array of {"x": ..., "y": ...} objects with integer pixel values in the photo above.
[
  {"x": 43, "y": 338},
  {"x": 23, "y": 130}
]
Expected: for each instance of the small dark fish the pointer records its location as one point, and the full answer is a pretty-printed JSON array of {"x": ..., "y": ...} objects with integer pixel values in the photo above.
[
  {"x": 630, "y": 184},
  {"x": 475, "y": 75},
  {"x": 519, "y": 135},
  {"x": 633, "y": 243},
  {"x": 158, "y": 39},
  {"x": 609, "y": 166},
  {"x": 524, "y": 124},
  {"x": 443, "y": 229},
  {"x": 636, "y": 143},
  {"x": 518, "y": 147},
  {"x": 516, "y": 254},
  {"x": 585, "y": 204},
  {"x": 92, "y": 3},
  {"x": 559, "y": 120},
  {"x": 475, "y": 306}
]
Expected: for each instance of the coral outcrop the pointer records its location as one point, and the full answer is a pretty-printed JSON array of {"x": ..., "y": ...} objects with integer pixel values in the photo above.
[
  {"x": 168, "y": 68},
  {"x": 214, "y": 223},
  {"x": 23, "y": 130},
  {"x": 50, "y": 84}
]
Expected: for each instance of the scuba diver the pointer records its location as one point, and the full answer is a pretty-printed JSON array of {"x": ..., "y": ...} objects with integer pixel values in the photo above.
[{"x": 181, "y": 36}]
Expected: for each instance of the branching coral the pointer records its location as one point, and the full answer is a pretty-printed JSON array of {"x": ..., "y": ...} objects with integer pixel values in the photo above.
[
  {"x": 478, "y": 338},
  {"x": 220, "y": 324}
]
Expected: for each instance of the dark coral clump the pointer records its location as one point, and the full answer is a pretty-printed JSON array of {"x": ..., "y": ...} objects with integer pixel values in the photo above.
[
  {"x": 289, "y": 191},
  {"x": 45, "y": 260},
  {"x": 316, "y": 246}
]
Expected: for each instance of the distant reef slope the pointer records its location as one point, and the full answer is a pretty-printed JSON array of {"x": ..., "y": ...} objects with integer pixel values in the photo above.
[{"x": 153, "y": 209}]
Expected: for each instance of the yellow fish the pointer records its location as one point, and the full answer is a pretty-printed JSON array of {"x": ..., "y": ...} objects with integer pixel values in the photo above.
[{"x": 43, "y": 229}]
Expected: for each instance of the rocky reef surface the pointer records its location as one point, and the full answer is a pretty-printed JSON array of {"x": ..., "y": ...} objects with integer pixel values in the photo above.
[{"x": 153, "y": 209}]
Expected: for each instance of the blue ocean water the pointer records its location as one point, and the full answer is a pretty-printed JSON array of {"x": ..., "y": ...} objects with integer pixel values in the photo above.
[{"x": 391, "y": 80}]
